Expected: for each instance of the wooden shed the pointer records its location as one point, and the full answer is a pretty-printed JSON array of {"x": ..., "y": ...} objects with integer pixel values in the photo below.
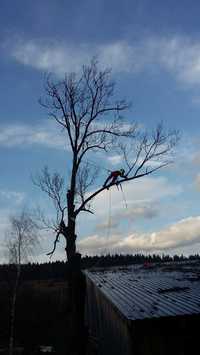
[{"x": 144, "y": 310}]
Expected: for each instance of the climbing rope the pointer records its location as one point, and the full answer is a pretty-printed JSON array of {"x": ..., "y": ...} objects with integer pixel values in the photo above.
[
  {"x": 123, "y": 196},
  {"x": 110, "y": 218},
  {"x": 109, "y": 215}
]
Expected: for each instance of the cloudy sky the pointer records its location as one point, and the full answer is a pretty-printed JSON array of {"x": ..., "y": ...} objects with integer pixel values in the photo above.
[{"x": 154, "y": 51}]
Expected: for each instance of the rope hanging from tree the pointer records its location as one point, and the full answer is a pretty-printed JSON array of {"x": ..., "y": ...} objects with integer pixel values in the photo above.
[{"x": 109, "y": 215}]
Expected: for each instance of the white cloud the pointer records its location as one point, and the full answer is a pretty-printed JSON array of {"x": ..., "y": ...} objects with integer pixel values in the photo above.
[
  {"x": 12, "y": 196},
  {"x": 95, "y": 245},
  {"x": 144, "y": 190},
  {"x": 181, "y": 56},
  {"x": 178, "y": 55},
  {"x": 61, "y": 58},
  {"x": 138, "y": 211},
  {"x": 141, "y": 200},
  {"x": 134, "y": 212},
  {"x": 48, "y": 57},
  {"x": 115, "y": 159},
  {"x": 46, "y": 134},
  {"x": 183, "y": 233}
]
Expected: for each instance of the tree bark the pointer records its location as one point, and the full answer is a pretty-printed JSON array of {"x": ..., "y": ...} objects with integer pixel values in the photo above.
[{"x": 71, "y": 233}]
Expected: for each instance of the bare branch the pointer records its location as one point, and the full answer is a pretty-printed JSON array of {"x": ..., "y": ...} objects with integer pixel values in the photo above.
[
  {"x": 21, "y": 237},
  {"x": 44, "y": 222},
  {"x": 156, "y": 150},
  {"x": 86, "y": 177},
  {"x": 84, "y": 105},
  {"x": 53, "y": 186},
  {"x": 54, "y": 244}
]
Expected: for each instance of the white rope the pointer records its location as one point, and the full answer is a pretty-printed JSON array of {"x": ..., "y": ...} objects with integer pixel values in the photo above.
[
  {"x": 109, "y": 215},
  {"x": 123, "y": 196}
]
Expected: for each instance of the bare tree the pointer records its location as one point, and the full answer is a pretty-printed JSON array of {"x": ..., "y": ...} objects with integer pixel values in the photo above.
[
  {"x": 83, "y": 105},
  {"x": 21, "y": 241}
]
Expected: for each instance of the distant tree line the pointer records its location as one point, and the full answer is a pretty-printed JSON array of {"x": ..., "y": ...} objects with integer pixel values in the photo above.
[
  {"x": 58, "y": 269},
  {"x": 129, "y": 259}
]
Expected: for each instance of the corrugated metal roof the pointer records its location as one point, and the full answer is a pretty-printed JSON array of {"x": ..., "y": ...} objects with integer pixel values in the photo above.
[{"x": 159, "y": 291}]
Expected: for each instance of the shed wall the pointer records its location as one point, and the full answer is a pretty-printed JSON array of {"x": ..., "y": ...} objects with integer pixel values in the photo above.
[
  {"x": 105, "y": 322},
  {"x": 116, "y": 334},
  {"x": 168, "y": 335}
]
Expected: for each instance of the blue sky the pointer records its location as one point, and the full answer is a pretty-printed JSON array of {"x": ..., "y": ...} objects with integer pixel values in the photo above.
[{"x": 154, "y": 51}]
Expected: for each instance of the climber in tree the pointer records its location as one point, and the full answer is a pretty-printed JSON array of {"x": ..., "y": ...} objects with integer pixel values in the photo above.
[{"x": 113, "y": 176}]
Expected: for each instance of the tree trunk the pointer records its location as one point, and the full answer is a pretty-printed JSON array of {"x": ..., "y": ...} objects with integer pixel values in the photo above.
[
  {"x": 76, "y": 280},
  {"x": 13, "y": 311},
  {"x": 71, "y": 235},
  {"x": 71, "y": 241}
]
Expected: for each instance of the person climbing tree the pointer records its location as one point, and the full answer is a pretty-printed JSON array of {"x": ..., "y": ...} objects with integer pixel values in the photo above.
[
  {"x": 83, "y": 104},
  {"x": 114, "y": 176}
]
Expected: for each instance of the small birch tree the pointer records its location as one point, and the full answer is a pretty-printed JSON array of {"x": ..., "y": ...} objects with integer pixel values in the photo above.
[{"x": 21, "y": 241}]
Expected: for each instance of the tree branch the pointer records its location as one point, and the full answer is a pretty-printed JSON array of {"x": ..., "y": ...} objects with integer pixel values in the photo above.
[
  {"x": 54, "y": 244},
  {"x": 81, "y": 208}
]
